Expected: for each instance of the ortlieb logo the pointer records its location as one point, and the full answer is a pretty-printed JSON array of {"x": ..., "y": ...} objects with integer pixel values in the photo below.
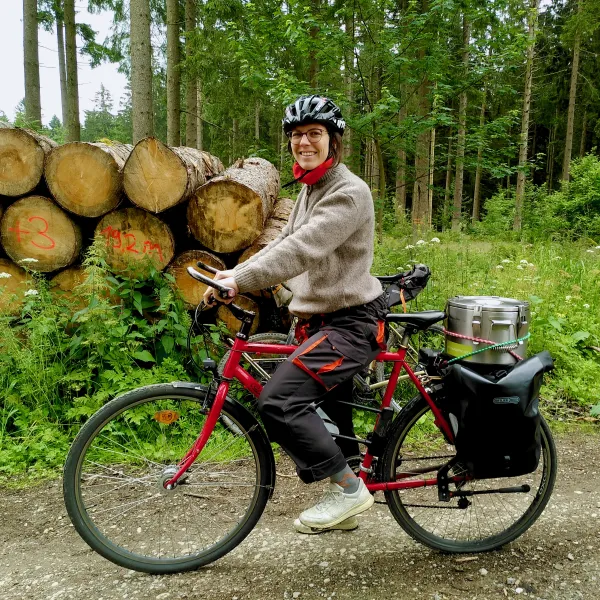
[{"x": 507, "y": 400}]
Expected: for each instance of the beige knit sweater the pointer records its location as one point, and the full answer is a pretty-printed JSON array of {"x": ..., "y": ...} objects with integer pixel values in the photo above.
[{"x": 325, "y": 251}]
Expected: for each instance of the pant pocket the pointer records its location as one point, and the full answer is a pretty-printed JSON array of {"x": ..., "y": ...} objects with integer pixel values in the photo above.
[{"x": 329, "y": 358}]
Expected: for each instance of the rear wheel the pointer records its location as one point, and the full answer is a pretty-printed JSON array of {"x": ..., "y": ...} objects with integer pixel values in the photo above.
[
  {"x": 115, "y": 470},
  {"x": 478, "y": 523}
]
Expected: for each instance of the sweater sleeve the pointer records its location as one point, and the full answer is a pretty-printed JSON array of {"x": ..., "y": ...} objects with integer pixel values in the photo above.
[
  {"x": 284, "y": 233},
  {"x": 333, "y": 220}
]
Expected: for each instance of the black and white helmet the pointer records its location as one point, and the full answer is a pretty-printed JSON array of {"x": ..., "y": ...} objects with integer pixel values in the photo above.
[{"x": 313, "y": 109}]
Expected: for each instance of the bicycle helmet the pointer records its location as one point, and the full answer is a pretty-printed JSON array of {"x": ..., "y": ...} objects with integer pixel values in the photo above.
[{"x": 314, "y": 109}]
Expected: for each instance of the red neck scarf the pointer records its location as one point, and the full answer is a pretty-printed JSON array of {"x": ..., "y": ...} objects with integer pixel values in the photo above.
[{"x": 311, "y": 177}]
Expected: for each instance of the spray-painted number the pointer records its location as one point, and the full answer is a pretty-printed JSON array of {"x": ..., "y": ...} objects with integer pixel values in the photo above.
[
  {"x": 47, "y": 242},
  {"x": 126, "y": 242}
]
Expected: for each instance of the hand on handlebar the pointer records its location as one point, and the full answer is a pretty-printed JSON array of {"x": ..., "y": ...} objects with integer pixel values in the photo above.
[{"x": 226, "y": 279}]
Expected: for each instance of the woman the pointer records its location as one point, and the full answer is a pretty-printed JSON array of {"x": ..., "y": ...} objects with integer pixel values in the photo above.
[{"x": 325, "y": 253}]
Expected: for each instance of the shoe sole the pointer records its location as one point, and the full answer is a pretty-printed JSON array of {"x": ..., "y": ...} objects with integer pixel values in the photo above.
[
  {"x": 300, "y": 527},
  {"x": 352, "y": 513}
]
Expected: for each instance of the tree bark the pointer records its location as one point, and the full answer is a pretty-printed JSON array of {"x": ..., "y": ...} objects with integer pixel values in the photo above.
[
  {"x": 520, "y": 190},
  {"x": 33, "y": 105},
  {"x": 73, "y": 127},
  {"x": 173, "y": 75},
  {"x": 200, "y": 112},
  {"x": 229, "y": 212},
  {"x": 190, "y": 88},
  {"x": 448, "y": 187},
  {"x": 583, "y": 134},
  {"x": 572, "y": 99},
  {"x": 313, "y": 65},
  {"x": 136, "y": 241},
  {"x": 35, "y": 227},
  {"x": 141, "y": 70},
  {"x": 157, "y": 177},
  {"x": 62, "y": 69},
  {"x": 22, "y": 156},
  {"x": 190, "y": 289},
  {"x": 477, "y": 190},
  {"x": 348, "y": 87},
  {"x": 400, "y": 208},
  {"x": 87, "y": 179},
  {"x": 462, "y": 130}
]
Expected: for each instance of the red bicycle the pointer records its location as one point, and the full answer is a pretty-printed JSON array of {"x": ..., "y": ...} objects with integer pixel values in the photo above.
[{"x": 170, "y": 477}]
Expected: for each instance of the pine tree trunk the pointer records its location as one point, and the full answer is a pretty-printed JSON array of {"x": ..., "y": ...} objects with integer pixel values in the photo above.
[
  {"x": 87, "y": 179},
  {"x": 431, "y": 170},
  {"x": 348, "y": 70},
  {"x": 62, "y": 69},
  {"x": 157, "y": 177},
  {"x": 380, "y": 188},
  {"x": 520, "y": 190},
  {"x": 229, "y": 212},
  {"x": 448, "y": 187},
  {"x": 572, "y": 98},
  {"x": 462, "y": 129},
  {"x": 477, "y": 190},
  {"x": 22, "y": 157},
  {"x": 73, "y": 128},
  {"x": 141, "y": 70},
  {"x": 400, "y": 208},
  {"x": 35, "y": 227},
  {"x": 136, "y": 240},
  {"x": 257, "y": 122},
  {"x": 173, "y": 75},
  {"x": 190, "y": 89},
  {"x": 583, "y": 134},
  {"x": 313, "y": 66},
  {"x": 200, "y": 113},
  {"x": 33, "y": 106}
]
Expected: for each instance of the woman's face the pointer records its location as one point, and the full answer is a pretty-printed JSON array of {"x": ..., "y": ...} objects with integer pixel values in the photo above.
[{"x": 310, "y": 153}]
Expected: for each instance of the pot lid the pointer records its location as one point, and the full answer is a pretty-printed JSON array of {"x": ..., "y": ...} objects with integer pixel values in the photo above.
[{"x": 488, "y": 302}]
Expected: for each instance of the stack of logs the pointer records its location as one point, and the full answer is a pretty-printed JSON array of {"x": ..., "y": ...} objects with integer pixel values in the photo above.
[{"x": 55, "y": 199}]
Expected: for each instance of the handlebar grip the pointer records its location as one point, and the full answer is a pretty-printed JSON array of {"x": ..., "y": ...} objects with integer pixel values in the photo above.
[
  {"x": 206, "y": 267},
  {"x": 221, "y": 289}
]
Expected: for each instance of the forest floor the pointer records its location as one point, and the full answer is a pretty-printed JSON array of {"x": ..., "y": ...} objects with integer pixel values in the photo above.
[{"x": 41, "y": 556}]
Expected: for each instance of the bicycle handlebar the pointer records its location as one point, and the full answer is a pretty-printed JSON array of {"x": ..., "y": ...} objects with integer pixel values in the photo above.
[
  {"x": 206, "y": 267},
  {"x": 221, "y": 289}
]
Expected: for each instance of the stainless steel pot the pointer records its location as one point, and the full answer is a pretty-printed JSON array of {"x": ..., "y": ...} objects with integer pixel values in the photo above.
[{"x": 489, "y": 318}]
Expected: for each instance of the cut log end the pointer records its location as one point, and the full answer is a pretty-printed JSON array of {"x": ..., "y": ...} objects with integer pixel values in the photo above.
[
  {"x": 155, "y": 178},
  {"x": 85, "y": 178},
  {"x": 21, "y": 162},
  {"x": 136, "y": 241},
  {"x": 225, "y": 216},
  {"x": 14, "y": 282},
  {"x": 190, "y": 289},
  {"x": 37, "y": 232}
]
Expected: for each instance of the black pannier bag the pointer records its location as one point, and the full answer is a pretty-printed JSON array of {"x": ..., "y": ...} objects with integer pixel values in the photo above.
[
  {"x": 495, "y": 416},
  {"x": 411, "y": 284}
]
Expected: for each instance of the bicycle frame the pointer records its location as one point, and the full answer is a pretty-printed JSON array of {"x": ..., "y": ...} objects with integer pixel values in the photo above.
[{"x": 233, "y": 370}]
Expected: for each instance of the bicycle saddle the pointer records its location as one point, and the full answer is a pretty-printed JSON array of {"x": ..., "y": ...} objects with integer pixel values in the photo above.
[{"x": 420, "y": 320}]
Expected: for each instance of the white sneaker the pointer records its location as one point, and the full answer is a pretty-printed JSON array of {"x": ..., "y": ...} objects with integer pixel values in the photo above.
[
  {"x": 335, "y": 506},
  {"x": 347, "y": 525}
]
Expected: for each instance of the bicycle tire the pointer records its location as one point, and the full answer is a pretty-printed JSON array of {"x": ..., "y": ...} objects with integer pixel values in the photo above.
[
  {"x": 477, "y": 528},
  {"x": 115, "y": 468}
]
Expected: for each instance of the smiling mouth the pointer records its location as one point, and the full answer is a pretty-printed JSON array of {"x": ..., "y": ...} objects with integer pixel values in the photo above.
[{"x": 307, "y": 154}]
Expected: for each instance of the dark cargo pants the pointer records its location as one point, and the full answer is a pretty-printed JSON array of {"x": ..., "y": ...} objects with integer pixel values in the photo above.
[{"x": 320, "y": 373}]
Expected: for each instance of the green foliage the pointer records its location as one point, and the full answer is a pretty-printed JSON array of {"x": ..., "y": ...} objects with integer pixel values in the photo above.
[{"x": 60, "y": 360}]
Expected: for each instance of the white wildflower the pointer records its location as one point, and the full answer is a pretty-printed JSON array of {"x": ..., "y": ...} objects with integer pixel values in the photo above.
[
  {"x": 530, "y": 265},
  {"x": 499, "y": 267},
  {"x": 29, "y": 260},
  {"x": 524, "y": 262},
  {"x": 557, "y": 258},
  {"x": 436, "y": 240},
  {"x": 586, "y": 306},
  {"x": 4, "y": 275},
  {"x": 568, "y": 298},
  {"x": 597, "y": 247},
  {"x": 408, "y": 266},
  {"x": 421, "y": 242},
  {"x": 31, "y": 293},
  {"x": 520, "y": 267},
  {"x": 506, "y": 261},
  {"x": 590, "y": 251},
  {"x": 409, "y": 247}
]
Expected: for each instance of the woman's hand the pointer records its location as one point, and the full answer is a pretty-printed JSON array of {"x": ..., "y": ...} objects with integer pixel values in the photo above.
[{"x": 226, "y": 279}]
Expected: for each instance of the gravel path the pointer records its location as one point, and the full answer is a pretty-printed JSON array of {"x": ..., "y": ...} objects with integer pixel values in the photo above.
[{"x": 41, "y": 556}]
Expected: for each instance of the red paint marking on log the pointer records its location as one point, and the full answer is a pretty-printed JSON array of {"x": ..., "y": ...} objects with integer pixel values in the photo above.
[{"x": 17, "y": 229}]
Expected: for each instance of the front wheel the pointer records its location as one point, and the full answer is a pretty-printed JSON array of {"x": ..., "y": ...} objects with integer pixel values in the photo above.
[
  {"x": 116, "y": 467},
  {"x": 474, "y": 523}
]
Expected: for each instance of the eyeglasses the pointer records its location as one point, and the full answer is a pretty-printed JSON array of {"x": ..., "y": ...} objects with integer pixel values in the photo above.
[{"x": 314, "y": 135}]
